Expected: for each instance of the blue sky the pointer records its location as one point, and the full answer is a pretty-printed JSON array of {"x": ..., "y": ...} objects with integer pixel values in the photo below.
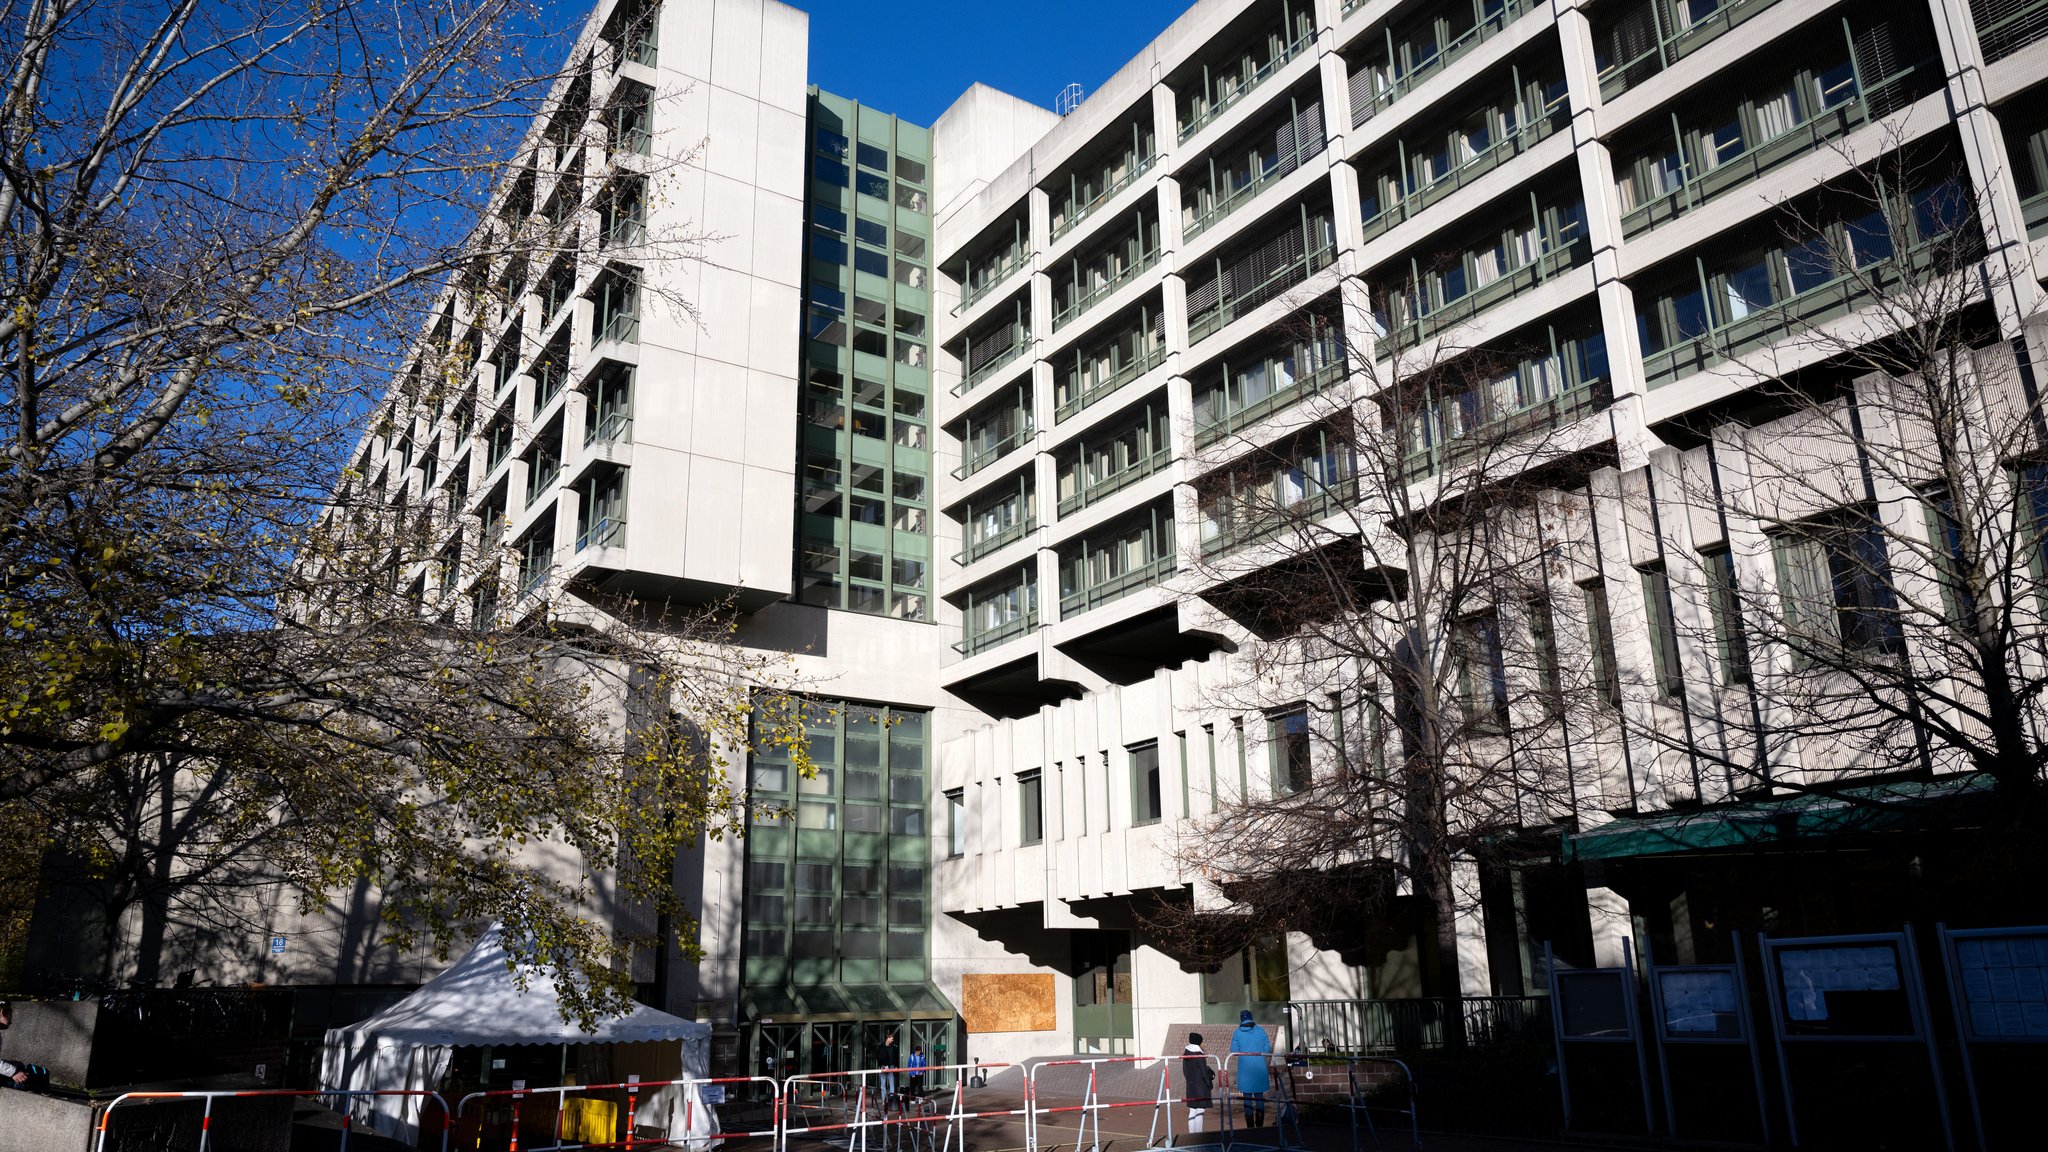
[{"x": 913, "y": 57}]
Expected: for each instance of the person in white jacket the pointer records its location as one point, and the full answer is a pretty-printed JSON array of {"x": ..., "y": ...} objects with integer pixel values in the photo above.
[{"x": 8, "y": 1069}]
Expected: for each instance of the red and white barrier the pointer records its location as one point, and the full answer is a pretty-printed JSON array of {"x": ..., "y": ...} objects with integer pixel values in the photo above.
[
  {"x": 684, "y": 1099},
  {"x": 861, "y": 1107},
  {"x": 1089, "y": 1109},
  {"x": 106, "y": 1120}
]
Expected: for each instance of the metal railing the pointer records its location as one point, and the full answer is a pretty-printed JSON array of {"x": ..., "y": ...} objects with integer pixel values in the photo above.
[
  {"x": 622, "y": 327},
  {"x": 1270, "y": 521},
  {"x": 1088, "y": 493},
  {"x": 975, "y": 642},
  {"x": 1018, "y": 260},
  {"x": 1506, "y": 286},
  {"x": 1286, "y": 276},
  {"x": 1129, "y": 273},
  {"x": 976, "y": 549},
  {"x": 1551, "y": 412},
  {"x": 2007, "y": 32},
  {"x": 1416, "y": 197},
  {"x": 986, "y": 371},
  {"x": 1308, "y": 384},
  {"x": 1259, "y": 76},
  {"x": 1399, "y": 1026},
  {"x": 1117, "y": 587},
  {"x": 1451, "y": 53},
  {"x": 1800, "y": 140},
  {"x": 608, "y": 532},
  {"x": 1109, "y": 383},
  {"x": 2035, "y": 211},
  {"x": 1079, "y": 212},
  {"x": 1673, "y": 45},
  {"x": 1781, "y": 318},
  {"x": 1280, "y": 168},
  {"x": 610, "y": 427},
  {"x": 982, "y": 457}
]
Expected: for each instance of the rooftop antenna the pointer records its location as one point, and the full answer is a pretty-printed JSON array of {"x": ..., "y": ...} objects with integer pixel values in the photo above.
[{"x": 1068, "y": 100}]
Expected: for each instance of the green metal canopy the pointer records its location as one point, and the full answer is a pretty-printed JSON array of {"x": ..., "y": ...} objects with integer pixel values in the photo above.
[{"x": 1879, "y": 808}]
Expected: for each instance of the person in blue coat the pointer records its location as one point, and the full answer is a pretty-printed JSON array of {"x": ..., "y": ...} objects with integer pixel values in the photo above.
[{"x": 1251, "y": 1046}]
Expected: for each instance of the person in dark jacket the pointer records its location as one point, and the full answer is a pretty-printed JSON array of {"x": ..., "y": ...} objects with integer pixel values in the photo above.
[
  {"x": 1200, "y": 1076},
  {"x": 888, "y": 1057}
]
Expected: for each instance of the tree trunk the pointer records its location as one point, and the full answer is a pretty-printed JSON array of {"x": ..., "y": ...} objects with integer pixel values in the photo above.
[{"x": 1443, "y": 903}]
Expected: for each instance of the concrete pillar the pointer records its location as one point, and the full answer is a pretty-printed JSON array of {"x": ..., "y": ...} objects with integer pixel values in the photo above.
[
  {"x": 1475, "y": 969},
  {"x": 1612, "y": 923}
]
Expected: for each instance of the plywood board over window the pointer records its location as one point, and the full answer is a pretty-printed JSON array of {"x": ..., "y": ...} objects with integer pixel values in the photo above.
[{"x": 1009, "y": 1002}]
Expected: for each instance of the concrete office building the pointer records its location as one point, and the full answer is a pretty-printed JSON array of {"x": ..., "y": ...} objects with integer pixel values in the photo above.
[{"x": 939, "y": 427}]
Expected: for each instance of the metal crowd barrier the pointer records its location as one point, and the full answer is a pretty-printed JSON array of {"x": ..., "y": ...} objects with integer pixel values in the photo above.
[
  {"x": 1089, "y": 1111},
  {"x": 691, "y": 1089},
  {"x": 206, "y": 1114},
  {"x": 900, "y": 1120},
  {"x": 1283, "y": 1098}
]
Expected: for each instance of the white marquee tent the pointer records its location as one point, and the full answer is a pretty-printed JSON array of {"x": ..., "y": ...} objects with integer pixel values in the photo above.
[{"x": 476, "y": 1002}]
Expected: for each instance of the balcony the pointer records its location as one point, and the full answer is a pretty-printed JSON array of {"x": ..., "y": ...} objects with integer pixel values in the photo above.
[
  {"x": 998, "y": 358},
  {"x": 2004, "y": 28},
  {"x": 1095, "y": 490},
  {"x": 1269, "y": 288},
  {"x": 988, "y": 545},
  {"x": 2035, "y": 210},
  {"x": 1669, "y": 43},
  {"x": 1266, "y": 173},
  {"x": 1555, "y": 411},
  {"x": 1006, "y": 266},
  {"x": 1117, "y": 587},
  {"x": 1413, "y": 198},
  {"x": 1323, "y": 502},
  {"x": 1131, "y": 271},
  {"x": 1881, "y": 98},
  {"x": 976, "y": 459},
  {"x": 1794, "y": 314},
  {"x": 608, "y": 428},
  {"x": 1293, "y": 391},
  {"x": 607, "y": 532},
  {"x": 1376, "y": 97},
  {"x": 1105, "y": 383},
  {"x": 976, "y": 642},
  {"x": 1245, "y": 84},
  {"x": 1527, "y": 278},
  {"x": 1082, "y": 209}
]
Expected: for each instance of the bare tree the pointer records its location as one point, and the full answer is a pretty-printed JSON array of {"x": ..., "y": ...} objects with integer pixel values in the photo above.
[
  {"x": 1389, "y": 550},
  {"x": 1876, "y": 606},
  {"x": 227, "y": 224}
]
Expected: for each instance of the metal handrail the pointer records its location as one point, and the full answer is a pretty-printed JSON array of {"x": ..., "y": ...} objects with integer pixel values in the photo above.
[
  {"x": 1247, "y": 192},
  {"x": 1081, "y": 212},
  {"x": 613, "y": 426},
  {"x": 1116, "y": 481},
  {"x": 603, "y": 534},
  {"x": 1551, "y": 411},
  {"x": 1110, "y": 383},
  {"x": 982, "y": 374},
  {"x": 1799, "y": 140},
  {"x": 1230, "y": 308},
  {"x": 1008, "y": 630},
  {"x": 1116, "y": 587},
  {"x": 1671, "y": 47},
  {"x": 1130, "y": 272},
  {"x": 1304, "y": 385},
  {"x": 1020, "y": 259},
  {"x": 984, "y": 457},
  {"x": 1269, "y": 522},
  {"x": 976, "y": 549},
  {"x": 1450, "y": 53},
  {"x": 1415, "y": 197},
  {"x": 1260, "y": 75},
  {"x": 1506, "y": 286}
]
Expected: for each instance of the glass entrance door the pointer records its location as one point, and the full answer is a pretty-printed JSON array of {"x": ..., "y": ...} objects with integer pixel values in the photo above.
[{"x": 1102, "y": 993}]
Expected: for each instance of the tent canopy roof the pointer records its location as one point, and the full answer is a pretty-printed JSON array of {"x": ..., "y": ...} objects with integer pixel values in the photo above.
[{"x": 477, "y": 1001}]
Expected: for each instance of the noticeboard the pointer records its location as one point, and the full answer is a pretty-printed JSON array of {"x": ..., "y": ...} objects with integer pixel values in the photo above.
[
  {"x": 1698, "y": 1002},
  {"x": 1852, "y": 989},
  {"x": 1593, "y": 1004},
  {"x": 2002, "y": 978}
]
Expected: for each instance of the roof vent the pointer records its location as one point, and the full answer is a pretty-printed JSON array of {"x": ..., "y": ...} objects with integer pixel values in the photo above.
[{"x": 1068, "y": 100}]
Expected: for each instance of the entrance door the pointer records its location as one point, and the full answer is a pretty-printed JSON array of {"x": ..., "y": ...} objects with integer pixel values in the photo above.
[
  {"x": 782, "y": 1052},
  {"x": 1102, "y": 993},
  {"x": 934, "y": 1037}
]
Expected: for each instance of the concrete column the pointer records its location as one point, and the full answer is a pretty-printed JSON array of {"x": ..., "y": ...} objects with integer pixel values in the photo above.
[
  {"x": 1475, "y": 970},
  {"x": 2017, "y": 294},
  {"x": 1629, "y": 625},
  {"x": 1756, "y": 576},
  {"x": 1612, "y": 923},
  {"x": 1699, "y": 652}
]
